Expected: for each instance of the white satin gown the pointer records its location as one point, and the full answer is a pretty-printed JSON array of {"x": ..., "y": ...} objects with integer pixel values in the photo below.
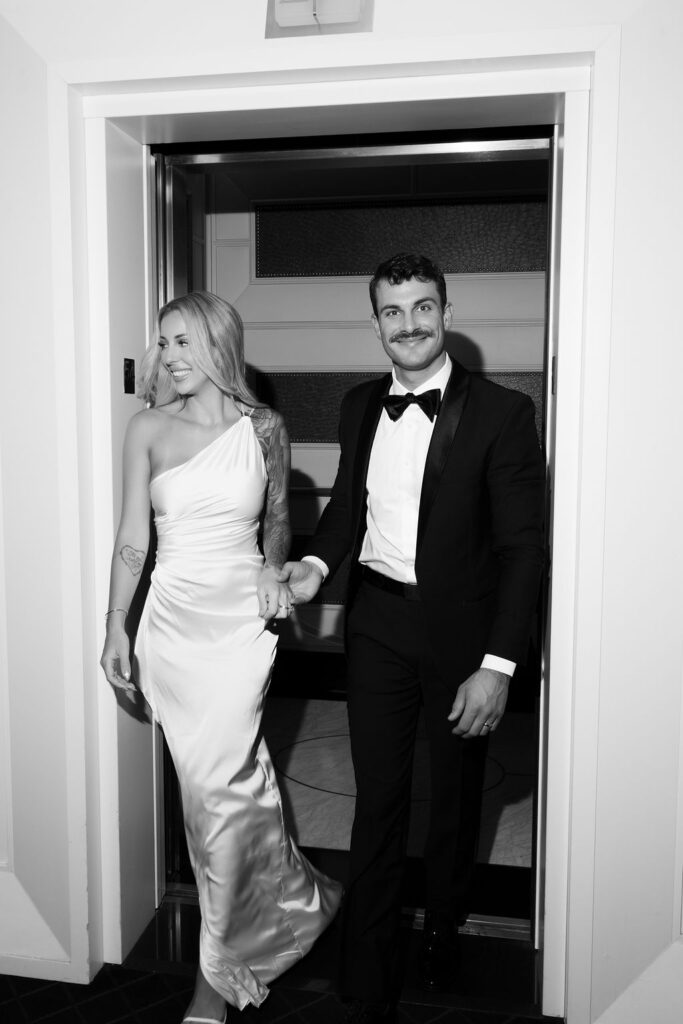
[{"x": 204, "y": 662}]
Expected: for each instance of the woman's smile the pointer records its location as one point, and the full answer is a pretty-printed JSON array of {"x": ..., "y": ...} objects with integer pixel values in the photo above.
[{"x": 179, "y": 373}]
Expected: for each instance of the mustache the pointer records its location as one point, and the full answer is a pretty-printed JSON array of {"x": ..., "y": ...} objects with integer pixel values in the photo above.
[{"x": 419, "y": 332}]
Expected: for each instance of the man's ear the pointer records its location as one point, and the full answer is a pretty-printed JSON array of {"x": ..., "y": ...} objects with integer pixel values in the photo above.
[
  {"x": 375, "y": 324},
  {"x": 447, "y": 315}
]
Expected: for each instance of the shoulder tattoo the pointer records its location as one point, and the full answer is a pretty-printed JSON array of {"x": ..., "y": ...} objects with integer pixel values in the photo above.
[{"x": 271, "y": 434}]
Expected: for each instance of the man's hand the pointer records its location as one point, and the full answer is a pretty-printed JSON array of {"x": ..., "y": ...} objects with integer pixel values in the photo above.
[
  {"x": 304, "y": 580},
  {"x": 479, "y": 703}
]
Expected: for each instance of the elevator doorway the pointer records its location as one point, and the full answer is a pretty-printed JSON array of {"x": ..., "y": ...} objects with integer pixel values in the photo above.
[{"x": 248, "y": 224}]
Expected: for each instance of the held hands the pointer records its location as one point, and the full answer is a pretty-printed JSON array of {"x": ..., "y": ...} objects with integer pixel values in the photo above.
[
  {"x": 305, "y": 580},
  {"x": 274, "y": 595},
  {"x": 295, "y": 583},
  {"x": 479, "y": 703},
  {"x": 115, "y": 658}
]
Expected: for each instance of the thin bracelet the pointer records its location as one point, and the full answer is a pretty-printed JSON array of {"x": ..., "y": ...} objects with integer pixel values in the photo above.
[{"x": 112, "y": 610}]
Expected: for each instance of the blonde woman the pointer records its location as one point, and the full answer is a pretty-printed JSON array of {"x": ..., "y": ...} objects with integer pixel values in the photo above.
[{"x": 214, "y": 463}]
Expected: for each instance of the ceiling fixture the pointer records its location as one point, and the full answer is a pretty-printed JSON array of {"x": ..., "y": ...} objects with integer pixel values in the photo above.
[
  {"x": 295, "y": 13},
  {"x": 308, "y": 17}
]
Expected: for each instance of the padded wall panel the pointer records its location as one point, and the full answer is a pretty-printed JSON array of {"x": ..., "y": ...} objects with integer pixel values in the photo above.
[{"x": 347, "y": 239}]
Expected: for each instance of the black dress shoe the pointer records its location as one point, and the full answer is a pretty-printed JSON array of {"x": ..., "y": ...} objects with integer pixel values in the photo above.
[
  {"x": 358, "y": 1012},
  {"x": 440, "y": 955}
]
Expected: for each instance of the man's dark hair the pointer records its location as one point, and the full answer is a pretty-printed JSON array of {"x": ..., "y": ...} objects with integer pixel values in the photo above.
[{"x": 404, "y": 267}]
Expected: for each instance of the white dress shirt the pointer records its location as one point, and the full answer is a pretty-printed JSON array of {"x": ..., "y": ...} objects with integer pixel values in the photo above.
[{"x": 395, "y": 472}]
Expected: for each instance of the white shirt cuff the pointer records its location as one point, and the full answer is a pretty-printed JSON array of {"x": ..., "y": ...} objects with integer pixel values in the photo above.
[
  {"x": 318, "y": 563},
  {"x": 499, "y": 664}
]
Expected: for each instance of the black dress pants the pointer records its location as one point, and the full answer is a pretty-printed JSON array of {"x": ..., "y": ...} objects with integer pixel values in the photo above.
[{"x": 391, "y": 674}]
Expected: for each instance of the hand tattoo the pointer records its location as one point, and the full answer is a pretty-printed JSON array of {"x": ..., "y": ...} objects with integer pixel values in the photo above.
[{"x": 133, "y": 558}]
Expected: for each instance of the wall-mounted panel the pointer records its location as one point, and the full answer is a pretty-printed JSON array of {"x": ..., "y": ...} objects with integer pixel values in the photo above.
[{"x": 342, "y": 239}]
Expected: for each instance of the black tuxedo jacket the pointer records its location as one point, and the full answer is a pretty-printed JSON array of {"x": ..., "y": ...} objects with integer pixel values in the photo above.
[{"x": 480, "y": 547}]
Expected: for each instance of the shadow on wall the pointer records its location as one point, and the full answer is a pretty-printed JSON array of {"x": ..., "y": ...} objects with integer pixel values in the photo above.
[
  {"x": 260, "y": 384},
  {"x": 459, "y": 346}
]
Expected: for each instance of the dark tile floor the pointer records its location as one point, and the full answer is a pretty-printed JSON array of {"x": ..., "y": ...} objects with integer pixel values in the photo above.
[
  {"x": 119, "y": 994},
  {"x": 495, "y": 984},
  {"x": 155, "y": 984}
]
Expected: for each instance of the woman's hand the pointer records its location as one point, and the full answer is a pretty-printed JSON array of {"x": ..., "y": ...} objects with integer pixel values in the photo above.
[
  {"x": 274, "y": 594},
  {"x": 115, "y": 659}
]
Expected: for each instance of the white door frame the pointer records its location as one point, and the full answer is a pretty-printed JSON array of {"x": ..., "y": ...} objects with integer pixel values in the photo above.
[{"x": 589, "y": 163}]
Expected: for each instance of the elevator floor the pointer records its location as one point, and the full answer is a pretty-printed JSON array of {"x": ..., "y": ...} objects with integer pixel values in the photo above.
[
  {"x": 306, "y": 728},
  {"x": 309, "y": 743}
]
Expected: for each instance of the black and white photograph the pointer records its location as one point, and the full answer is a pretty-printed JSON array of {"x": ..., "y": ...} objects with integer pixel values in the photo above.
[{"x": 341, "y": 672}]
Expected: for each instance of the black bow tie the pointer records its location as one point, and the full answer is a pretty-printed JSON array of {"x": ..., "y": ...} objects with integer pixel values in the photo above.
[{"x": 429, "y": 402}]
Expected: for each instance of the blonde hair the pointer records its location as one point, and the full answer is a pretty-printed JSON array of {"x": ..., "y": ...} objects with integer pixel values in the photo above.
[{"x": 216, "y": 336}]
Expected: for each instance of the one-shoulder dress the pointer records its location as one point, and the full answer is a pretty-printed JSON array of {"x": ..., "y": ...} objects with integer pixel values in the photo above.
[{"x": 204, "y": 659}]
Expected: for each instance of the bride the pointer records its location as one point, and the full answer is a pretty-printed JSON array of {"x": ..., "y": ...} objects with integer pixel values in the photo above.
[{"x": 214, "y": 464}]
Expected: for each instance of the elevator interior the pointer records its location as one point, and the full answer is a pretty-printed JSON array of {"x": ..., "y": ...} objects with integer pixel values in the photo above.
[{"x": 290, "y": 234}]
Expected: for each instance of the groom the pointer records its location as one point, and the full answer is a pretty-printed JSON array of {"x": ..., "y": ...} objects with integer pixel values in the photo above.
[{"x": 438, "y": 499}]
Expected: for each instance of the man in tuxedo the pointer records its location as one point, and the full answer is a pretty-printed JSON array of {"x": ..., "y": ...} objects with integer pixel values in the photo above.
[{"x": 439, "y": 501}]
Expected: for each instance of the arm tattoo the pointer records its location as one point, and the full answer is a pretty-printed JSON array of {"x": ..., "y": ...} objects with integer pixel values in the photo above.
[
  {"x": 133, "y": 558},
  {"x": 262, "y": 421},
  {"x": 272, "y": 436},
  {"x": 276, "y": 540}
]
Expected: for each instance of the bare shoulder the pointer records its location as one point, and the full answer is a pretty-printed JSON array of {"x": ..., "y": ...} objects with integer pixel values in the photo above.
[
  {"x": 141, "y": 427},
  {"x": 145, "y": 425},
  {"x": 148, "y": 429}
]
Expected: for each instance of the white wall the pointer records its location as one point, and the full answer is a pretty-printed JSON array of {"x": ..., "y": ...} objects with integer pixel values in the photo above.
[
  {"x": 637, "y": 879},
  {"x": 43, "y": 877},
  {"x": 125, "y": 335},
  {"x": 634, "y": 794}
]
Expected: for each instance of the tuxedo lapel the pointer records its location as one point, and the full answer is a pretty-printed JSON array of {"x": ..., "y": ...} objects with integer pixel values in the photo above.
[{"x": 447, "y": 423}]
